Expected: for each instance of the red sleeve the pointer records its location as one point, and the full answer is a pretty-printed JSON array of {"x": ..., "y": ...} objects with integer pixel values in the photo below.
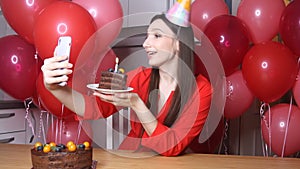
[
  {"x": 173, "y": 141},
  {"x": 95, "y": 108}
]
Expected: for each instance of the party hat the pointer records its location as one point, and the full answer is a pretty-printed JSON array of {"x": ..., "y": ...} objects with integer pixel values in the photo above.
[{"x": 179, "y": 14}]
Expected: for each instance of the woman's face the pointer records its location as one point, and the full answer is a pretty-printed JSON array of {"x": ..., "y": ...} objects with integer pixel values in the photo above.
[{"x": 160, "y": 44}]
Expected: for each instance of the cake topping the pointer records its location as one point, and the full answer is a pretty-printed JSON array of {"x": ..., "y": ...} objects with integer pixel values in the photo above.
[
  {"x": 86, "y": 144},
  {"x": 38, "y": 144},
  {"x": 121, "y": 70},
  {"x": 70, "y": 146},
  {"x": 46, "y": 148}
]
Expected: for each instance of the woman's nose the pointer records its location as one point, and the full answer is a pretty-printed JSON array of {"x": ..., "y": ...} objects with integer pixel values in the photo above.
[{"x": 146, "y": 43}]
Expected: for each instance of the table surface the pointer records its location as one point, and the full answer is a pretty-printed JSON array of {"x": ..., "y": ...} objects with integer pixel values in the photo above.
[{"x": 18, "y": 157}]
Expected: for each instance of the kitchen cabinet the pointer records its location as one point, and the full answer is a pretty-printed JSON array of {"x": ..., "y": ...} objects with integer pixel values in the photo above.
[
  {"x": 139, "y": 12},
  {"x": 12, "y": 126}
]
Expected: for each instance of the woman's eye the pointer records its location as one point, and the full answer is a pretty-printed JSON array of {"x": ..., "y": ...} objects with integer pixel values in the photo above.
[
  {"x": 154, "y": 35},
  {"x": 157, "y": 35}
]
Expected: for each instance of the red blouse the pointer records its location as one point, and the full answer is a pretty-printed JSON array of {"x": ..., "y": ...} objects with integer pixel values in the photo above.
[{"x": 167, "y": 141}]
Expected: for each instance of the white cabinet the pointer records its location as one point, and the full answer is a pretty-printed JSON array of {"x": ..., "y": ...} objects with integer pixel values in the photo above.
[
  {"x": 12, "y": 126},
  {"x": 139, "y": 12}
]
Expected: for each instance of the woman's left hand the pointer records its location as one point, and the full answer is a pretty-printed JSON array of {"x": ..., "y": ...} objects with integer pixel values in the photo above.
[{"x": 126, "y": 99}]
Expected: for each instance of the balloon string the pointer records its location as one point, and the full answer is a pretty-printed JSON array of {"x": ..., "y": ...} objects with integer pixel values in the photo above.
[
  {"x": 225, "y": 137},
  {"x": 261, "y": 112},
  {"x": 27, "y": 106},
  {"x": 270, "y": 132},
  {"x": 42, "y": 127},
  {"x": 52, "y": 126},
  {"x": 40, "y": 124},
  {"x": 47, "y": 122},
  {"x": 78, "y": 131},
  {"x": 263, "y": 144},
  {"x": 56, "y": 131},
  {"x": 287, "y": 126},
  {"x": 229, "y": 89},
  {"x": 222, "y": 140},
  {"x": 267, "y": 123},
  {"x": 61, "y": 129},
  {"x": 61, "y": 123}
]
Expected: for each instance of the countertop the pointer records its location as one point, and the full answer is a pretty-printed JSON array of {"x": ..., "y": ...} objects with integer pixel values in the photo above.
[{"x": 18, "y": 157}]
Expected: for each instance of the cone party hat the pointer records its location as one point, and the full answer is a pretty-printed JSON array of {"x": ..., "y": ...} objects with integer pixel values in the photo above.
[{"x": 179, "y": 14}]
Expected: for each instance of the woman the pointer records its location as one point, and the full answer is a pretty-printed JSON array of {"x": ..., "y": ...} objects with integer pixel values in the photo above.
[{"x": 169, "y": 105}]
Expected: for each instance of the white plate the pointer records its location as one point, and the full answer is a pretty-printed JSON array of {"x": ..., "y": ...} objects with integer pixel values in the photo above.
[{"x": 107, "y": 91}]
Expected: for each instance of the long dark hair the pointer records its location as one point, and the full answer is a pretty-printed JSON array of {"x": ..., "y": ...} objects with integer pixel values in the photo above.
[{"x": 186, "y": 83}]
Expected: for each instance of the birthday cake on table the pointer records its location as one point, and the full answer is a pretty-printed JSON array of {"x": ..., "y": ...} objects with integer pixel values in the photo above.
[{"x": 70, "y": 156}]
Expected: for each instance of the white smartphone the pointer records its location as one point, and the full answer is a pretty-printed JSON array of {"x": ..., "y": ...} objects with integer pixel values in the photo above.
[{"x": 63, "y": 48}]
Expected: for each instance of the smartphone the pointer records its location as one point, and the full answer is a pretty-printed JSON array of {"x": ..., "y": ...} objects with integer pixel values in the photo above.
[{"x": 63, "y": 48}]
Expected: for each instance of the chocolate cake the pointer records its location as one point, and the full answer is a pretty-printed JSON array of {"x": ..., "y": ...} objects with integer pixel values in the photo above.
[
  {"x": 81, "y": 158},
  {"x": 113, "y": 80}
]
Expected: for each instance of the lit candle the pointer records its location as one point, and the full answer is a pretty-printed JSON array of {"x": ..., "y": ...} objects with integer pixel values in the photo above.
[{"x": 116, "y": 66}]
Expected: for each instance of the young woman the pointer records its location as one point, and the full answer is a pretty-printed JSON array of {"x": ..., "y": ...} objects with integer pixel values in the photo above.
[{"x": 169, "y": 105}]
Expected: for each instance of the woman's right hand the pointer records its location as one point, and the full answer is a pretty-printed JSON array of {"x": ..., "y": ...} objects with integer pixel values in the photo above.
[{"x": 53, "y": 70}]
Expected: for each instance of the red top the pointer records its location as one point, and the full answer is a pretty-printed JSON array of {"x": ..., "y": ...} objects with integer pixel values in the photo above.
[{"x": 167, "y": 141}]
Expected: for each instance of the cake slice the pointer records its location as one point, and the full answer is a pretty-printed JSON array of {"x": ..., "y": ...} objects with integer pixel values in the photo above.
[{"x": 113, "y": 80}]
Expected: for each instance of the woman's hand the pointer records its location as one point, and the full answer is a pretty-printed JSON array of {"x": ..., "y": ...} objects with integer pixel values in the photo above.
[
  {"x": 53, "y": 70},
  {"x": 126, "y": 99}
]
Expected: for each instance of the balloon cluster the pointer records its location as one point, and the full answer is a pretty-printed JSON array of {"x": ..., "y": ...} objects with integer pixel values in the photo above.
[
  {"x": 259, "y": 52},
  {"x": 38, "y": 25}
]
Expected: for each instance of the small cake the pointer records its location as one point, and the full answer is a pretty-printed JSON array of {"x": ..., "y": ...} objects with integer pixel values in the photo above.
[
  {"x": 113, "y": 80},
  {"x": 62, "y": 157}
]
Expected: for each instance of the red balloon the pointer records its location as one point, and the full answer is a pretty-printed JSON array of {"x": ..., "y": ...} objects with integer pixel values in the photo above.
[
  {"x": 21, "y": 15},
  {"x": 296, "y": 90},
  {"x": 61, "y": 131},
  {"x": 229, "y": 35},
  {"x": 274, "y": 134},
  {"x": 239, "y": 97},
  {"x": 62, "y": 18},
  {"x": 270, "y": 70},
  {"x": 261, "y": 17},
  {"x": 19, "y": 67},
  {"x": 108, "y": 16},
  {"x": 51, "y": 103},
  {"x": 203, "y": 11},
  {"x": 289, "y": 28}
]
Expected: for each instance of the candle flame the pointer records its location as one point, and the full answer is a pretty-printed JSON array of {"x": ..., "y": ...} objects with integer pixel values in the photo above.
[{"x": 117, "y": 60}]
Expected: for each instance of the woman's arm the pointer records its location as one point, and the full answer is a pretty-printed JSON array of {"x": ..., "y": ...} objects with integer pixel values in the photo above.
[
  {"x": 53, "y": 70},
  {"x": 133, "y": 101}
]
